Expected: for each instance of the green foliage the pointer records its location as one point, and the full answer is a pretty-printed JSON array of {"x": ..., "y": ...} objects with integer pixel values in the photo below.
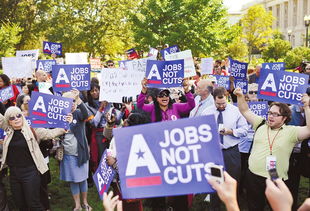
[
  {"x": 256, "y": 24},
  {"x": 9, "y": 37},
  {"x": 276, "y": 49},
  {"x": 197, "y": 25},
  {"x": 294, "y": 57}
]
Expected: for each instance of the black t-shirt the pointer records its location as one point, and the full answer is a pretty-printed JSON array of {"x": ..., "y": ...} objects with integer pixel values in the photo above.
[{"x": 18, "y": 152}]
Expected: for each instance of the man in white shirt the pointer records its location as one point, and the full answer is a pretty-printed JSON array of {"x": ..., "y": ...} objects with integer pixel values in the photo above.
[
  {"x": 204, "y": 98},
  {"x": 232, "y": 126}
]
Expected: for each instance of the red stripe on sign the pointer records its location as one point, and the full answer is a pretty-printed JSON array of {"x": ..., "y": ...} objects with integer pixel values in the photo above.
[
  {"x": 62, "y": 85},
  {"x": 39, "y": 122},
  {"x": 38, "y": 113},
  {"x": 273, "y": 94},
  {"x": 103, "y": 189},
  {"x": 143, "y": 181},
  {"x": 153, "y": 82}
]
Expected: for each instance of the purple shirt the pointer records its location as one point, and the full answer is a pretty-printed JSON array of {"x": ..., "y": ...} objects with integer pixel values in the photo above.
[{"x": 172, "y": 113}]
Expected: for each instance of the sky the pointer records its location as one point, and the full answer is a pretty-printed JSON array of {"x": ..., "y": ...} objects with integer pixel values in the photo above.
[{"x": 235, "y": 5}]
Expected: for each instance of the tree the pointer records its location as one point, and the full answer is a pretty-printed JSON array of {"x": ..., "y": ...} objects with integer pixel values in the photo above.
[
  {"x": 294, "y": 57},
  {"x": 276, "y": 49},
  {"x": 256, "y": 24},
  {"x": 198, "y": 25},
  {"x": 9, "y": 37}
]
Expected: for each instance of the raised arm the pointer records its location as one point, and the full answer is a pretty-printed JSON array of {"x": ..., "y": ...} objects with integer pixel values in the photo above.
[
  {"x": 244, "y": 108},
  {"x": 304, "y": 132}
]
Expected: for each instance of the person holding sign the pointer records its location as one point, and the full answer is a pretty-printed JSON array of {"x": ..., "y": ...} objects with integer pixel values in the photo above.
[
  {"x": 74, "y": 166},
  {"x": 4, "y": 83},
  {"x": 25, "y": 169},
  {"x": 272, "y": 145},
  {"x": 163, "y": 109}
]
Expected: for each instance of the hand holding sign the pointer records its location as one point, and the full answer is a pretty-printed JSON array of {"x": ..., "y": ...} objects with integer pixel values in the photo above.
[
  {"x": 305, "y": 100},
  {"x": 186, "y": 85},
  {"x": 238, "y": 92},
  {"x": 144, "y": 87}
]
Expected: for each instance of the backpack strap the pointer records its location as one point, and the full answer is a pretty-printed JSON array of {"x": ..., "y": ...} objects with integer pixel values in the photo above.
[{"x": 260, "y": 124}]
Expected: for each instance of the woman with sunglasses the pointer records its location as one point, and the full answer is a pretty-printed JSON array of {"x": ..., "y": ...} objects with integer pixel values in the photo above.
[
  {"x": 21, "y": 152},
  {"x": 162, "y": 108}
]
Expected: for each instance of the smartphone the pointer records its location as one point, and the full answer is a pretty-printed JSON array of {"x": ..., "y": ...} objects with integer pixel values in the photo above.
[
  {"x": 273, "y": 174},
  {"x": 217, "y": 173}
]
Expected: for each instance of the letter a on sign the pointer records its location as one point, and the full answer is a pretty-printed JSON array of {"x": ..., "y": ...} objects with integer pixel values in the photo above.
[
  {"x": 62, "y": 76},
  {"x": 267, "y": 67},
  {"x": 100, "y": 180},
  {"x": 269, "y": 82},
  {"x": 47, "y": 47},
  {"x": 154, "y": 73},
  {"x": 39, "y": 104},
  {"x": 140, "y": 155}
]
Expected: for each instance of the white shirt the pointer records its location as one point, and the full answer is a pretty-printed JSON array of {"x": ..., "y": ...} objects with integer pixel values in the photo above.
[
  {"x": 232, "y": 119},
  {"x": 200, "y": 106}
]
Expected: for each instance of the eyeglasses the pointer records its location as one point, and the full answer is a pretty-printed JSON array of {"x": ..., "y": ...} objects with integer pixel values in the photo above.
[
  {"x": 273, "y": 114},
  {"x": 12, "y": 118},
  {"x": 110, "y": 65},
  {"x": 308, "y": 68},
  {"x": 252, "y": 92},
  {"x": 163, "y": 95}
]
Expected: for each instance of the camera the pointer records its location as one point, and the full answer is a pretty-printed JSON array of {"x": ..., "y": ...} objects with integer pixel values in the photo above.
[
  {"x": 216, "y": 172},
  {"x": 273, "y": 174}
]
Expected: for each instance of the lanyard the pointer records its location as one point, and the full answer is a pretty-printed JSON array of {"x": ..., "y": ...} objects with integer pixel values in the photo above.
[{"x": 271, "y": 145}]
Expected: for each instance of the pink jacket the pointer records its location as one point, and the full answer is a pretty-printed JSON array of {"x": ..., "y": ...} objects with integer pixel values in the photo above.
[{"x": 171, "y": 113}]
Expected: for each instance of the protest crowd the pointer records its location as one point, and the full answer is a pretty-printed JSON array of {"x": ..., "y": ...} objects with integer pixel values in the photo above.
[{"x": 156, "y": 131}]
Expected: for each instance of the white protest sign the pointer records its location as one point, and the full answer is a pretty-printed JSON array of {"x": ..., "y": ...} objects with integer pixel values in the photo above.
[
  {"x": 76, "y": 58},
  {"x": 17, "y": 67},
  {"x": 139, "y": 65},
  {"x": 189, "y": 66},
  {"x": 33, "y": 54},
  {"x": 206, "y": 66},
  {"x": 117, "y": 83}
]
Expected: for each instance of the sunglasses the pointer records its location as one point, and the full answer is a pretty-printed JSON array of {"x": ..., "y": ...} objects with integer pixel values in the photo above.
[
  {"x": 12, "y": 118},
  {"x": 110, "y": 65},
  {"x": 163, "y": 95},
  {"x": 273, "y": 114},
  {"x": 252, "y": 92},
  {"x": 308, "y": 68}
]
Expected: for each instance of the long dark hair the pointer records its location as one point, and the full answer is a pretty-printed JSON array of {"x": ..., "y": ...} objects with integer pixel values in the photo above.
[
  {"x": 6, "y": 79},
  {"x": 91, "y": 101},
  {"x": 158, "y": 116}
]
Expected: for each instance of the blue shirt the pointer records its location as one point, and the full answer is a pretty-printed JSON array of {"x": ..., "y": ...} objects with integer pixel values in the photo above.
[
  {"x": 232, "y": 119},
  {"x": 200, "y": 106}
]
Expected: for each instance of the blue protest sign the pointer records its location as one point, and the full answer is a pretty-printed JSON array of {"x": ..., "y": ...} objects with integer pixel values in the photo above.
[
  {"x": 52, "y": 48},
  {"x": 222, "y": 81},
  {"x": 259, "y": 108},
  {"x": 6, "y": 93},
  {"x": 67, "y": 77},
  {"x": 282, "y": 86},
  {"x": 2, "y": 133},
  {"x": 104, "y": 175},
  {"x": 243, "y": 84},
  {"x": 170, "y": 50},
  {"x": 45, "y": 65},
  {"x": 167, "y": 158},
  {"x": 238, "y": 69},
  {"x": 36, "y": 123},
  {"x": 49, "y": 108},
  {"x": 164, "y": 73},
  {"x": 274, "y": 66}
]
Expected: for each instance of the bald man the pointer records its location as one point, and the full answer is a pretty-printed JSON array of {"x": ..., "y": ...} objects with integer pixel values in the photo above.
[
  {"x": 204, "y": 97},
  {"x": 41, "y": 76}
]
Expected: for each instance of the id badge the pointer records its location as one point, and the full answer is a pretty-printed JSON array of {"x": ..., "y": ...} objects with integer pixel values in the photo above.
[{"x": 271, "y": 162}]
